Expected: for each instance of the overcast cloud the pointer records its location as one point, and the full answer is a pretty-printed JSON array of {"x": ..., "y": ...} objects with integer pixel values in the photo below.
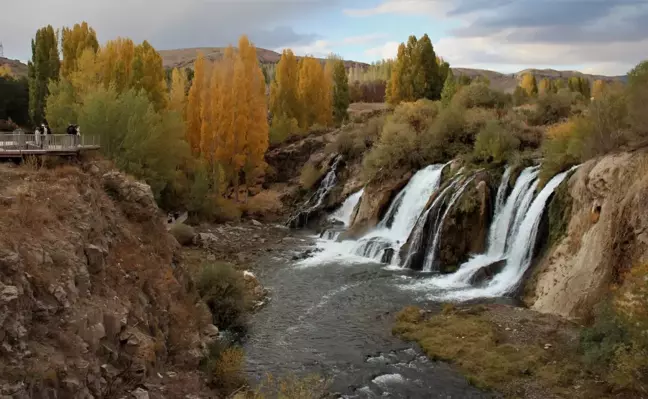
[{"x": 602, "y": 36}]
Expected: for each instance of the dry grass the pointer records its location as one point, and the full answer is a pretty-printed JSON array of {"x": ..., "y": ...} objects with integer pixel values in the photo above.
[
  {"x": 289, "y": 387},
  {"x": 512, "y": 361}
]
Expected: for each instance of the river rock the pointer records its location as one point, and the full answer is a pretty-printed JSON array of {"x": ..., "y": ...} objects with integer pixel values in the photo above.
[
  {"x": 374, "y": 204},
  {"x": 387, "y": 256},
  {"x": 486, "y": 273}
]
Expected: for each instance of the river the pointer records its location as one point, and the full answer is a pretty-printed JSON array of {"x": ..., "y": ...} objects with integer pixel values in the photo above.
[{"x": 334, "y": 318}]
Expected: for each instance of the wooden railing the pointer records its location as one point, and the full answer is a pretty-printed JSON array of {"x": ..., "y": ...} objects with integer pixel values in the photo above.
[{"x": 32, "y": 143}]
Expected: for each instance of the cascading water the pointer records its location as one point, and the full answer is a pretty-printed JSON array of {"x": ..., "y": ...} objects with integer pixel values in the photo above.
[
  {"x": 343, "y": 213},
  {"x": 428, "y": 263},
  {"x": 343, "y": 216},
  {"x": 517, "y": 256},
  {"x": 398, "y": 222},
  {"x": 314, "y": 204}
]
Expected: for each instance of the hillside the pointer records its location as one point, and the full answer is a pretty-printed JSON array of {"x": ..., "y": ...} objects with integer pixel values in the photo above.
[
  {"x": 181, "y": 58},
  {"x": 18, "y": 68},
  {"x": 508, "y": 82}
]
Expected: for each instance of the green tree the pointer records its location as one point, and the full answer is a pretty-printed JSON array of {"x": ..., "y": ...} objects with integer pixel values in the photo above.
[
  {"x": 429, "y": 68},
  {"x": 14, "y": 99},
  {"x": 341, "y": 98},
  {"x": 638, "y": 98},
  {"x": 44, "y": 65},
  {"x": 450, "y": 88}
]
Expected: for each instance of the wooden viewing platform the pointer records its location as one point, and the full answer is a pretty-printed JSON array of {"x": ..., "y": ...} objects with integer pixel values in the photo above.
[{"x": 16, "y": 145}]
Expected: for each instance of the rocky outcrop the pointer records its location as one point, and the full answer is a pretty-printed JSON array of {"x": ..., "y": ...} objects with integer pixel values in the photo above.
[
  {"x": 287, "y": 161},
  {"x": 607, "y": 234},
  {"x": 374, "y": 204},
  {"x": 465, "y": 229},
  {"x": 91, "y": 302}
]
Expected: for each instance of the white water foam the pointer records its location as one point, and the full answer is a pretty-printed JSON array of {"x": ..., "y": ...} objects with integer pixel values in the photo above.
[{"x": 343, "y": 213}]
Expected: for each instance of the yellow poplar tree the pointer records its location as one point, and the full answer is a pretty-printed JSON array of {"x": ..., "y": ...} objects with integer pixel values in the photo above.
[
  {"x": 148, "y": 74},
  {"x": 178, "y": 92},
  {"x": 194, "y": 105},
  {"x": 284, "y": 100},
  {"x": 313, "y": 91},
  {"x": 545, "y": 86},
  {"x": 74, "y": 41},
  {"x": 529, "y": 84},
  {"x": 598, "y": 88},
  {"x": 115, "y": 61},
  {"x": 207, "y": 124},
  {"x": 223, "y": 111}
]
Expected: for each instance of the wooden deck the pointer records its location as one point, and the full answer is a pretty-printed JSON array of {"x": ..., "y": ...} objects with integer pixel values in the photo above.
[{"x": 14, "y": 145}]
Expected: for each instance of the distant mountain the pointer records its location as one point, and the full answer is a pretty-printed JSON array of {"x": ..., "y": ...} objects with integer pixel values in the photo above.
[
  {"x": 508, "y": 82},
  {"x": 18, "y": 68},
  {"x": 182, "y": 58}
]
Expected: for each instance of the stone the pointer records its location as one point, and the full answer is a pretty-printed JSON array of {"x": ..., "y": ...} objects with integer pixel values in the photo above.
[
  {"x": 387, "y": 256},
  {"x": 486, "y": 273},
  {"x": 140, "y": 393},
  {"x": 205, "y": 239},
  {"x": 8, "y": 293},
  {"x": 9, "y": 260},
  {"x": 96, "y": 258},
  {"x": 211, "y": 331},
  {"x": 257, "y": 223}
]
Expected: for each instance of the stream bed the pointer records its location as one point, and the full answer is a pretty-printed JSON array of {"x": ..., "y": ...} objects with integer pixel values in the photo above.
[{"x": 334, "y": 319}]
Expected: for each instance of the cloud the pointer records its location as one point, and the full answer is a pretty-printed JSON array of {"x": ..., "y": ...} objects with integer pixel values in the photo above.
[
  {"x": 322, "y": 48},
  {"x": 386, "y": 51},
  {"x": 608, "y": 35},
  {"x": 165, "y": 23}
]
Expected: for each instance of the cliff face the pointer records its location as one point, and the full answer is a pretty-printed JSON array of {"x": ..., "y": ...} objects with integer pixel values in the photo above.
[
  {"x": 92, "y": 302},
  {"x": 606, "y": 235}
]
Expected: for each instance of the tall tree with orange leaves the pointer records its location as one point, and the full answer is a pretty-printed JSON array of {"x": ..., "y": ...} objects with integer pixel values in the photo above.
[{"x": 194, "y": 106}]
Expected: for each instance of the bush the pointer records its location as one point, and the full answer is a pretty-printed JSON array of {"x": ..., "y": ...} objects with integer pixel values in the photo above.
[
  {"x": 551, "y": 108},
  {"x": 308, "y": 387},
  {"x": 283, "y": 128},
  {"x": 637, "y": 100},
  {"x": 494, "y": 144},
  {"x": 222, "y": 288},
  {"x": 479, "y": 94},
  {"x": 226, "y": 210},
  {"x": 183, "y": 233},
  {"x": 561, "y": 150},
  {"x": 309, "y": 176},
  {"x": 224, "y": 368}
]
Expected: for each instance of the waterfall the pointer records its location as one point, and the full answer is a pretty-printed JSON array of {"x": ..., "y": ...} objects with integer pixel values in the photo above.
[
  {"x": 427, "y": 222},
  {"x": 315, "y": 203},
  {"x": 343, "y": 213},
  {"x": 428, "y": 264},
  {"x": 398, "y": 222},
  {"x": 503, "y": 227},
  {"x": 501, "y": 190},
  {"x": 516, "y": 258}
]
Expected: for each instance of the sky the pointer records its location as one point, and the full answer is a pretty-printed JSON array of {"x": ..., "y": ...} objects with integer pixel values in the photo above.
[{"x": 593, "y": 36}]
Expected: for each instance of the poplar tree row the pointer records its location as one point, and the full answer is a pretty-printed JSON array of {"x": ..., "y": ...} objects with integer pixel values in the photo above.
[{"x": 305, "y": 94}]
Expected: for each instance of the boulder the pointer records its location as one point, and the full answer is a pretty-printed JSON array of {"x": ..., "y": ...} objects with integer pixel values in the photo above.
[
  {"x": 8, "y": 293},
  {"x": 486, "y": 273},
  {"x": 140, "y": 393},
  {"x": 387, "y": 256},
  {"x": 134, "y": 197},
  {"x": 96, "y": 258},
  {"x": 9, "y": 260},
  {"x": 374, "y": 203},
  {"x": 205, "y": 239}
]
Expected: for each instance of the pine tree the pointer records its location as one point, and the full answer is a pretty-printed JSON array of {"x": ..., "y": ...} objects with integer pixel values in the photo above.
[
  {"x": 194, "y": 105},
  {"x": 341, "y": 98},
  {"x": 529, "y": 84},
  {"x": 178, "y": 92},
  {"x": 450, "y": 88},
  {"x": 43, "y": 67},
  {"x": 74, "y": 42}
]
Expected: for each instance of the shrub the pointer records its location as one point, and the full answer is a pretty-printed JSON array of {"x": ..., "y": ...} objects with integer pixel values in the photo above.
[
  {"x": 479, "y": 94},
  {"x": 309, "y": 176},
  {"x": 283, "y": 128},
  {"x": 289, "y": 387},
  {"x": 561, "y": 150},
  {"x": 222, "y": 288},
  {"x": 449, "y": 135},
  {"x": 225, "y": 210},
  {"x": 551, "y": 108},
  {"x": 637, "y": 100},
  {"x": 494, "y": 144},
  {"x": 183, "y": 233},
  {"x": 224, "y": 368},
  {"x": 607, "y": 128}
]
